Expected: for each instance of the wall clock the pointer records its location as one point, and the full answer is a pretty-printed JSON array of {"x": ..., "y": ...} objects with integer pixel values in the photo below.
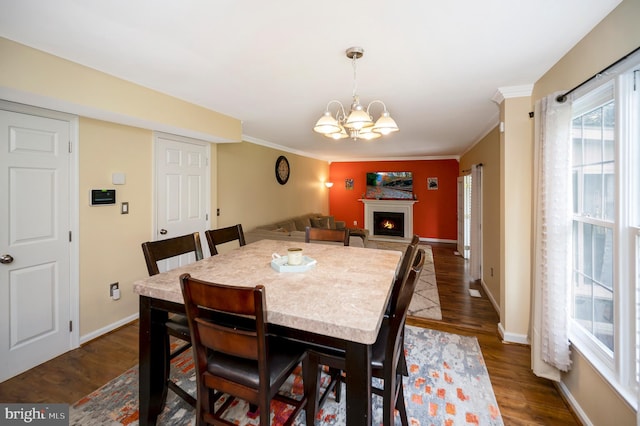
[{"x": 282, "y": 170}]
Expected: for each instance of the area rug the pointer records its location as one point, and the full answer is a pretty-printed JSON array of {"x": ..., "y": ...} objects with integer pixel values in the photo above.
[
  {"x": 426, "y": 300},
  {"x": 448, "y": 385}
]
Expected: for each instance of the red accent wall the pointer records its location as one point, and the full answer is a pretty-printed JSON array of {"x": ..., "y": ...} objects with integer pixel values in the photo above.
[{"x": 435, "y": 213}]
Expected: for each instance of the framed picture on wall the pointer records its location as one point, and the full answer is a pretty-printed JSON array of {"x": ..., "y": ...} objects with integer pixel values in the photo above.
[
  {"x": 348, "y": 184},
  {"x": 432, "y": 183}
]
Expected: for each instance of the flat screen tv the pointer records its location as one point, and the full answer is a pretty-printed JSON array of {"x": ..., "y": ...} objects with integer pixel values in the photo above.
[{"x": 390, "y": 185}]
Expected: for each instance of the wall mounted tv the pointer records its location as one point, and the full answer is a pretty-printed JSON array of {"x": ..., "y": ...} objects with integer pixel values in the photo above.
[{"x": 390, "y": 185}]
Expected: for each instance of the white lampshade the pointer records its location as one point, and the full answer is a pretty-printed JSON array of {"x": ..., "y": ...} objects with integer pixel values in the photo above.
[
  {"x": 327, "y": 124},
  {"x": 385, "y": 124},
  {"x": 338, "y": 135},
  {"x": 358, "y": 118},
  {"x": 368, "y": 134}
]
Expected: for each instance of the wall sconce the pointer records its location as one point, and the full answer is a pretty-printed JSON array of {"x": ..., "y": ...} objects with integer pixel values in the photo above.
[{"x": 328, "y": 184}]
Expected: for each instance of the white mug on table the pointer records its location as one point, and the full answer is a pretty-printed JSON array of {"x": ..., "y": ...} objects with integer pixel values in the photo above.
[{"x": 294, "y": 256}]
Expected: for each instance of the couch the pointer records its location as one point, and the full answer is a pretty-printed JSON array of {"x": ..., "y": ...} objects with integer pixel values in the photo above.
[{"x": 292, "y": 229}]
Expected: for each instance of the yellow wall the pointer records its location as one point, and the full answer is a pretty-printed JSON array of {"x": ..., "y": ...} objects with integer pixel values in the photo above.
[
  {"x": 614, "y": 37},
  {"x": 110, "y": 241},
  {"x": 487, "y": 152},
  {"x": 517, "y": 166},
  {"x": 32, "y": 76},
  {"x": 249, "y": 193}
]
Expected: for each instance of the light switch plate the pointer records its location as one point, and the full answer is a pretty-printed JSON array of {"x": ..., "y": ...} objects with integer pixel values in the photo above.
[{"x": 124, "y": 208}]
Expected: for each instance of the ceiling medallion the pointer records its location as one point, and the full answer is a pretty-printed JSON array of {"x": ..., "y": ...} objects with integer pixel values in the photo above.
[{"x": 358, "y": 124}]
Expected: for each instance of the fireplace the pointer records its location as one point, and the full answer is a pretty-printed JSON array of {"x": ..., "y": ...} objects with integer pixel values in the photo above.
[
  {"x": 400, "y": 212},
  {"x": 388, "y": 223}
]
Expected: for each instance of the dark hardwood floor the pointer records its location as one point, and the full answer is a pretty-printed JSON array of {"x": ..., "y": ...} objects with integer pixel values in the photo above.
[{"x": 524, "y": 399}]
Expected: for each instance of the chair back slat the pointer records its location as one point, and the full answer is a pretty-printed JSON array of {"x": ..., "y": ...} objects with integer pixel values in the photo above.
[
  {"x": 219, "y": 236},
  {"x": 202, "y": 297},
  {"x": 330, "y": 235},
  {"x": 155, "y": 251},
  {"x": 228, "y": 340}
]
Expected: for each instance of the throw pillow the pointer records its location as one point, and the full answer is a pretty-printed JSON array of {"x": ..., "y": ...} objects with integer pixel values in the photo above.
[
  {"x": 288, "y": 225},
  {"x": 331, "y": 222},
  {"x": 320, "y": 222},
  {"x": 302, "y": 223}
]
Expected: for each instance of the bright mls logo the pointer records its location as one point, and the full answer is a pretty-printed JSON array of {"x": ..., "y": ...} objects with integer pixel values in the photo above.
[{"x": 37, "y": 414}]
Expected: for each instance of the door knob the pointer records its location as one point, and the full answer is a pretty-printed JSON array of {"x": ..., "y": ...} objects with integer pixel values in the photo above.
[
  {"x": 6, "y": 258},
  {"x": 163, "y": 232}
]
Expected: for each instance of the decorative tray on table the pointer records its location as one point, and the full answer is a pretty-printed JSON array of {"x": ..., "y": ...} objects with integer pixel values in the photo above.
[{"x": 280, "y": 264}]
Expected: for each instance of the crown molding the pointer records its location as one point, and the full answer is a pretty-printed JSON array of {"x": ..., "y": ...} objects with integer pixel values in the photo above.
[{"x": 512, "y": 92}]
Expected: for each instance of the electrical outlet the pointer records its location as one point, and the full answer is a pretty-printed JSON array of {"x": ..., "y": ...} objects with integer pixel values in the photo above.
[
  {"x": 112, "y": 288},
  {"x": 355, "y": 223},
  {"x": 491, "y": 271}
]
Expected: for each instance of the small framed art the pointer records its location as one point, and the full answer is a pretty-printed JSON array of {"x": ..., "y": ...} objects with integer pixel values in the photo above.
[
  {"x": 432, "y": 183},
  {"x": 348, "y": 184}
]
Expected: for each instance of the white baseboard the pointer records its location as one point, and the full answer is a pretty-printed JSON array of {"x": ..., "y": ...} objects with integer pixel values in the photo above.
[
  {"x": 97, "y": 333},
  {"x": 507, "y": 337},
  {"x": 522, "y": 339},
  {"x": 438, "y": 240},
  {"x": 574, "y": 404},
  {"x": 490, "y": 296}
]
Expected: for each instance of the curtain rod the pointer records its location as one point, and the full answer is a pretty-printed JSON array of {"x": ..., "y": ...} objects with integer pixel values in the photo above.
[
  {"x": 563, "y": 98},
  {"x": 468, "y": 170}
]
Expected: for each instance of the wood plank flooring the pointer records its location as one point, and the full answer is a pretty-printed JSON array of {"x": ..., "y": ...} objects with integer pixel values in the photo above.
[{"x": 523, "y": 398}]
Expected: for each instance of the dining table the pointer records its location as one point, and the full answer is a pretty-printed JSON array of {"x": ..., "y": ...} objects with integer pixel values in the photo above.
[{"x": 337, "y": 297}]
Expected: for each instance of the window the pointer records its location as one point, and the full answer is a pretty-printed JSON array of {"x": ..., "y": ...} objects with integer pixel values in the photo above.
[{"x": 606, "y": 226}]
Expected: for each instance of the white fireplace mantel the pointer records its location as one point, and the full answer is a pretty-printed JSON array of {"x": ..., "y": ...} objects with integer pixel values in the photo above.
[{"x": 394, "y": 206}]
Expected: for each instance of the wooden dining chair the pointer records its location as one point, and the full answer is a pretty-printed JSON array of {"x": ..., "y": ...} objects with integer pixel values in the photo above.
[
  {"x": 224, "y": 235},
  {"x": 176, "y": 325},
  {"x": 241, "y": 361},
  {"x": 385, "y": 358},
  {"x": 406, "y": 262},
  {"x": 405, "y": 265},
  {"x": 329, "y": 235}
]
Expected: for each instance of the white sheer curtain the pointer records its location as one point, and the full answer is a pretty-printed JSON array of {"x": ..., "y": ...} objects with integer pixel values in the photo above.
[
  {"x": 550, "y": 352},
  {"x": 638, "y": 322},
  {"x": 475, "y": 261}
]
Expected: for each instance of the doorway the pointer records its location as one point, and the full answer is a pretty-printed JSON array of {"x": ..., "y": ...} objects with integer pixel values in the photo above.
[
  {"x": 182, "y": 188},
  {"x": 38, "y": 250}
]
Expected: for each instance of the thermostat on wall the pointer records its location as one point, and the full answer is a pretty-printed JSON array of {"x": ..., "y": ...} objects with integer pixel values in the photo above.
[{"x": 102, "y": 197}]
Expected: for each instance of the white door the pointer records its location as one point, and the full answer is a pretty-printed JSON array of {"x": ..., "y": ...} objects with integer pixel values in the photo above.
[
  {"x": 182, "y": 191},
  {"x": 35, "y": 308}
]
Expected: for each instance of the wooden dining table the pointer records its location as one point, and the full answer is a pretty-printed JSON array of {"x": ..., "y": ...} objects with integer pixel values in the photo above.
[{"x": 339, "y": 301}]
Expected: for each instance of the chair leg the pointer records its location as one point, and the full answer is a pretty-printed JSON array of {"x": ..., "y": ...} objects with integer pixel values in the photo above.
[
  {"x": 400, "y": 405},
  {"x": 388, "y": 403},
  {"x": 311, "y": 381},
  {"x": 265, "y": 410},
  {"x": 336, "y": 377}
]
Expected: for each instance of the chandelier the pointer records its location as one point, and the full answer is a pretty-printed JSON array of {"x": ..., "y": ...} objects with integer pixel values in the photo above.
[{"x": 358, "y": 124}]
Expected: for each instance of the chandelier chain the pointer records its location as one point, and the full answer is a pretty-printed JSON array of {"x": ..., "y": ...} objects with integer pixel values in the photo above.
[{"x": 355, "y": 76}]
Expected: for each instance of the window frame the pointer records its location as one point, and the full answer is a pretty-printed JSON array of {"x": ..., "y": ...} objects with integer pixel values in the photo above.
[{"x": 620, "y": 367}]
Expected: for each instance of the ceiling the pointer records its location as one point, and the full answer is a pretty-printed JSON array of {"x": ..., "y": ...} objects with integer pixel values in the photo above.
[{"x": 276, "y": 64}]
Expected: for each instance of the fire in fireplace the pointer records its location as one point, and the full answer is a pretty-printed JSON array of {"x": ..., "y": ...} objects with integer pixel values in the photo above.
[{"x": 388, "y": 223}]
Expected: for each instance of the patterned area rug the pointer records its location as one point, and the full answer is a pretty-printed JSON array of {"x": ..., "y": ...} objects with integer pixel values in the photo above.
[
  {"x": 448, "y": 384},
  {"x": 426, "y": 300}
]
